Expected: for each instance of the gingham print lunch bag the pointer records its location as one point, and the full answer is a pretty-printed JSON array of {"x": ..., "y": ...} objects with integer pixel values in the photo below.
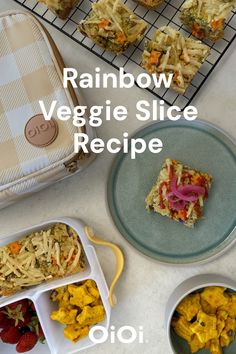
[{"x": 33, "y": 153}]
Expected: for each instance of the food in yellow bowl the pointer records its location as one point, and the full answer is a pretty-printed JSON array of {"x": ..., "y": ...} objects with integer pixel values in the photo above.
[{"x": 207, "y": 319}]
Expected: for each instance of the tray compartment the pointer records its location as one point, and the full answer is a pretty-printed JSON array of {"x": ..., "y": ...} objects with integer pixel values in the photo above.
[
  {"x": 10, "y": 348},
  {"x": 40, "y": 295},
  {"x": 46, "y": 285},
  {"x": 57, "y": 343}
]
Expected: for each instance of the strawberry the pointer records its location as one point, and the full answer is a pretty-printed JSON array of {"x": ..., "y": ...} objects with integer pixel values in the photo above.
[
  {"x": 5, "y": 322},
  {"x": 26, "y": 320},
  {"x": 10, "y": 335},
  {"x": 22, "y": 305},
  {"x": 27, "y": 342},
  {"x": 16, "y": 311}
]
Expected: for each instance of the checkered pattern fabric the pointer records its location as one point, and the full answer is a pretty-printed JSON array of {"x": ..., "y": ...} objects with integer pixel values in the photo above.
[{"x": 28, "y": 74}]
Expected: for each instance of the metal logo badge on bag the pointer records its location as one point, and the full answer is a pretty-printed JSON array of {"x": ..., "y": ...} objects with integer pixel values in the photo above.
[{"x": 41, "y": 133}]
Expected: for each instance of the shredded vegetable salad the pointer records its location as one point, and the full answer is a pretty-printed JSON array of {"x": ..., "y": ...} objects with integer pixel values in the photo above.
[{"x": 41, "y": 256}]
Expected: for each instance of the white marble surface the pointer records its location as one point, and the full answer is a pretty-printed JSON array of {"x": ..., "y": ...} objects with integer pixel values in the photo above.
[{"x": 144, "y": 287}]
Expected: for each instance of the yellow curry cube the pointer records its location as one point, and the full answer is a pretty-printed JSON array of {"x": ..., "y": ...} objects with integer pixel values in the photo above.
[
  {"x": 230, "y": 307},
  {"x": 182, "y": 328},
  {"x": 220, "y": 322},
  {"x": 91, "y": 315},
  {"x": 220, "y": 325},
  {"x": 64, "y": 300},
  {"x": 207, "y": 308},
  {"x": 96, "y": 302},
  {"x": 195, "y": 344},
  {"x": 75, "y": 332},
  {"x": 205, "y": 327},
  {"x": 64, "y": 316},
  {"x": 189, "y": 306},
  {"x": 215, "y": 347},
  {"x": 80, "y": 296},
  {"x": 58, "y": 293},
  {"x": 222, "y": 314},
  {"x": 228, "y": 334},
  {"x": 215, "y": 296},
  {"x": 92, "y": 288}
]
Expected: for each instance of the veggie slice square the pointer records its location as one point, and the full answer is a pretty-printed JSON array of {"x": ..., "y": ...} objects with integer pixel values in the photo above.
[
  {"x": 206, "y": 19},
  {"x": 61, "y": 8},
  {"x": 179, "y": 192},
  {"x": 112, "y": 25},
  {"x": 169, "y": 52}
]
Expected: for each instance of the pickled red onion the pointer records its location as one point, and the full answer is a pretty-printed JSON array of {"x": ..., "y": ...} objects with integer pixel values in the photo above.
[
  {"x": 175, "y": 202},
  {"x": 171, "y": 197},
  {"x": 189, "y": 193},
  {"x": 191, "y": 189}
]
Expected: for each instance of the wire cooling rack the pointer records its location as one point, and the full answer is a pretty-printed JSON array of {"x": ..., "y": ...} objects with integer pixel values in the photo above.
[{"x": 166, "y": 14}]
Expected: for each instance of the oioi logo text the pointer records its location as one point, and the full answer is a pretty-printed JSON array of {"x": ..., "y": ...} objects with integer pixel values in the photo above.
[{"x": 124, "y": 334}]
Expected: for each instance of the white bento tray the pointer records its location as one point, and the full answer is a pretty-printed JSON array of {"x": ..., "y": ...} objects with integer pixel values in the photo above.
[{"x": 56, "y": 343}]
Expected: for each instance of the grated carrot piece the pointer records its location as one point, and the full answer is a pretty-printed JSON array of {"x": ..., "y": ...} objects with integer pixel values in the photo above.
[
  {"x": 104, "y": 23},
  {"x": 121, "y": 38},
  {"x": 217, "y": 24},
  {"x": 197, "y": 32},
  {"x": 171, "y": 173},
  {"x": 154, "y": 57},
  {"x": 15, "y": 247},
  {"x": 182, "y": 214}
]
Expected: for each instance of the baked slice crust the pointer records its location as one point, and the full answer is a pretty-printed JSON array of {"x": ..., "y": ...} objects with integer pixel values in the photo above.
[
  {"x": 169, "y": 52},
  {"x": 150, "y": 4},
  {"x": 61, "y": 8},
  {"x": 179, "y": 192}
]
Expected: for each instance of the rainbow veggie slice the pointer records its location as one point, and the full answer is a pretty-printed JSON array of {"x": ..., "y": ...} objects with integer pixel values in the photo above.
[
  {"x": 112, "y": 25},
  {"x": 206, "y": 19},
  {"x": 179, "y": 192}
]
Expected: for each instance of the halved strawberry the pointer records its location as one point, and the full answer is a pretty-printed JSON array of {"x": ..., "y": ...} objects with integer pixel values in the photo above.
[
  {"x": 27, "y": 342},
  {"x": 10, "y": 335}
]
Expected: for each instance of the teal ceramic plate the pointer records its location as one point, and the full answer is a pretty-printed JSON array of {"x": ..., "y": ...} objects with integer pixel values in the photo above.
[{"x": 199, "y": 145}]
